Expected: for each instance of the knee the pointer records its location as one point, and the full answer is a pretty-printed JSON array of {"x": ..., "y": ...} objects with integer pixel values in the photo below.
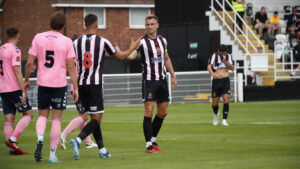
[
  {"x": 29, "y": 113},
  {"x": 225, "y": 101},
  {"x": 148, "y": 112},
  {"x": 9, "y": 118},
  {"x": 215, "y": 103},
  {"x": 162, "y": 115},
  {"x": 84, "y": 116}
]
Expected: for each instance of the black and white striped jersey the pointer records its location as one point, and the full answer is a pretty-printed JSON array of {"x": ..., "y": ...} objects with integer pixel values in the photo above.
[
  {"x": 90, "y": 51},
  {"x": 216, "y": 61},
  {"x": 153, "y": 57}
]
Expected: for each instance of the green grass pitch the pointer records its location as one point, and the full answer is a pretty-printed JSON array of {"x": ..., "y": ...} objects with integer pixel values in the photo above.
[{"x": 261, "y": 135}]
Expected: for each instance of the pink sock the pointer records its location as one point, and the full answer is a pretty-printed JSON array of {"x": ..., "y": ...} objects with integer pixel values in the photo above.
[
  {"x": 73, "y": 125},
  {"x": 8, "y": 129},
  {"x": 41, "y": 125},
  {"x": 88, "y": 138},
  {"x": 21, "y": 126},
  {"x": 55, "y": 133}
]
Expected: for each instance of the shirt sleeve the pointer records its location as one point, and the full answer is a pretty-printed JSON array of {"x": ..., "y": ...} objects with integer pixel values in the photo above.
[
  {"x": 71, "y": 52},
  {"x": 109, "y": 47},
  {"x": 211, "y": 59},
  {"x": 16, "y": 56},
  {"x": 166, "y": 44},
  {"x": 33, "y": 48}
]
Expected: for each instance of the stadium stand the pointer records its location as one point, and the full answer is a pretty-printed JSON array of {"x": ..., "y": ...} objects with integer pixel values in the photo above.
[{"x": 245, "y": 45}]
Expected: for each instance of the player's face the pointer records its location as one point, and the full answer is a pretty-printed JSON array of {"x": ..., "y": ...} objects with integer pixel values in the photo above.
[
  {"x": 222, "y": 53},
  {"x": 151, "y": 26}
]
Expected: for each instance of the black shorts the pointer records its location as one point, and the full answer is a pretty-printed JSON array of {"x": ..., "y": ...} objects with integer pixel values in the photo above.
[
  {"x": 92, "y": 98},
  {"x": 11, "y": 102},
  {"x": 155, "y": 90},
  {"x": 79, "y": 106},
  {"x": 52, "y": 96},
  {"x": 220, "y": 87}
]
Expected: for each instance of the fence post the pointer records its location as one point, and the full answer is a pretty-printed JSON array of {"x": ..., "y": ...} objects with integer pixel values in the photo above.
[
  {"x": 240, "y": 87},
  {"x": 170, "y": 86}
]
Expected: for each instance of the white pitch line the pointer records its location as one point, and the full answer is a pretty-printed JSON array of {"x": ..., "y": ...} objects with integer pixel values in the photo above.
[{"x": 206, "y": 122}]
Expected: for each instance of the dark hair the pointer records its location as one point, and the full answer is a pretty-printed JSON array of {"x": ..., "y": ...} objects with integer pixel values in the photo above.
[
  {"x": 90, "y": 19},
  {"x": 57, "y": 20},
  {"x": 276, "y": 13},
  {"x": 12, "y": 32},
  {"x": 222, "y": 48},
  {"x": 263, "y": 7}
]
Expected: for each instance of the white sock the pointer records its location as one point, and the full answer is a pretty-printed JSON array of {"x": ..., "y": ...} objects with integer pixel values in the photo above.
[
  {"x": 52, "y": 153},
  {"x": 40, "y": 137},
  {"x": 63, "y": 136},
  {"x": 103, "y": 150},
  {"x": 153, "y": 139},
  {"x": 148, "y": 144},
  {"x": 78, "y": 140},
  {"x": 13, "y": 139}
]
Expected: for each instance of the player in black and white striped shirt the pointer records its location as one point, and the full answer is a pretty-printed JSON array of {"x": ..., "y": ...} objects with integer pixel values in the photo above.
[
  {"x": 218, "y": 66},
  {"x": 155, "y": 62},
  {"x": 90, "y": 51}
]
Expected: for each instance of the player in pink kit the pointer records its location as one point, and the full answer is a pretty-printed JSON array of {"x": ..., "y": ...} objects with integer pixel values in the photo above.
[
  {"x": 77, "y": 122},
  {"x": 55, "y": 54},
  {"x": 12, "y": 91}
]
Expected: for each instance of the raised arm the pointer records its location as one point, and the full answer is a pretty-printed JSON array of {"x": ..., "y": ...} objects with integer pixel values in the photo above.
[
  {"x": 169, "y": 67},
  {"x": 121, "y": 55},
  {"x": 228, "y": 65},
  {"x": 132, "y": 55},
  {"x": 19, "y": 78}
]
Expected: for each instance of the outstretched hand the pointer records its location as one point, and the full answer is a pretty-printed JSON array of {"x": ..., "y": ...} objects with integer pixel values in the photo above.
[
  {"x": 117, "y": 47},
  {"x": 135, "y": 43}
]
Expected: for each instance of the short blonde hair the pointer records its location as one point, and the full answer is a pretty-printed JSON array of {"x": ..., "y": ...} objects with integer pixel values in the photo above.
[{"x": 151, "y": 17}]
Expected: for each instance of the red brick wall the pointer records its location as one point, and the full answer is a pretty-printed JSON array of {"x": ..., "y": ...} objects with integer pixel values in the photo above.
[
  {"x": 117, "y": 25},
  {"x": 29, "y": 16},
  {"x": 33, "y": 16}
]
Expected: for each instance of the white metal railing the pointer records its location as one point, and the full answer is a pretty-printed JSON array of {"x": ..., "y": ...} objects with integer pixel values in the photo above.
[
  {"x": 291, "y": 70},
  {"x": 236, "y": 27},
  {"x": 126, "y": 89}
]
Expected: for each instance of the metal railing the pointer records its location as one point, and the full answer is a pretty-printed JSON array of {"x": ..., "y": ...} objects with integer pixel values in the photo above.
[
  {"x": 248, "y": 30},
  {"x": 283, "y": 64},
  {"x": 126, "y": 89}
]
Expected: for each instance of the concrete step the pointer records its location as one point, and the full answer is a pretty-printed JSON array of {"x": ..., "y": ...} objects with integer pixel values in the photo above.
[{"x": 271, "y": 73}]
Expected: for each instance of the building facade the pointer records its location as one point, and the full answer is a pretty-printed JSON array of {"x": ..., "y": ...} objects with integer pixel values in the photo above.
[{"x": 119, "y": 20}]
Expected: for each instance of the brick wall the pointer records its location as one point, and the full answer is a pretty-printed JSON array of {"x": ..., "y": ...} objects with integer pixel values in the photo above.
[
  {"x": 29, "y": 16},
  {"x": 33, "y": 16},
  {"x": 117, "y": 25}
]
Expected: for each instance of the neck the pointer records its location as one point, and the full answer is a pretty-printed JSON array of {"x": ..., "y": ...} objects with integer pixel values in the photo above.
[
  {"x": 13, "y": 41},
  {"x": 152, "y": 35},
  {"x": 59, "y": 31},
  {"x": 91, "y": 31}
]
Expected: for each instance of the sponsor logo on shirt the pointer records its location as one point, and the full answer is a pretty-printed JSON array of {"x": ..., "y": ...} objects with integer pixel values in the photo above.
[{"x": 157, "y": 59}]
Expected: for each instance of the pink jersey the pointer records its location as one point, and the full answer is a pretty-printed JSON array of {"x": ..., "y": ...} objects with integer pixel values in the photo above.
[
  {"x": 52, "y": 49},
  {"x": 10, "y": 56}
]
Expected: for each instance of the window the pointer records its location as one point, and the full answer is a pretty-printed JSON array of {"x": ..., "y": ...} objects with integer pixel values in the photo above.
[
  {"x": 100, "y": 13},
  {"x": 137, "y": 17}
]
